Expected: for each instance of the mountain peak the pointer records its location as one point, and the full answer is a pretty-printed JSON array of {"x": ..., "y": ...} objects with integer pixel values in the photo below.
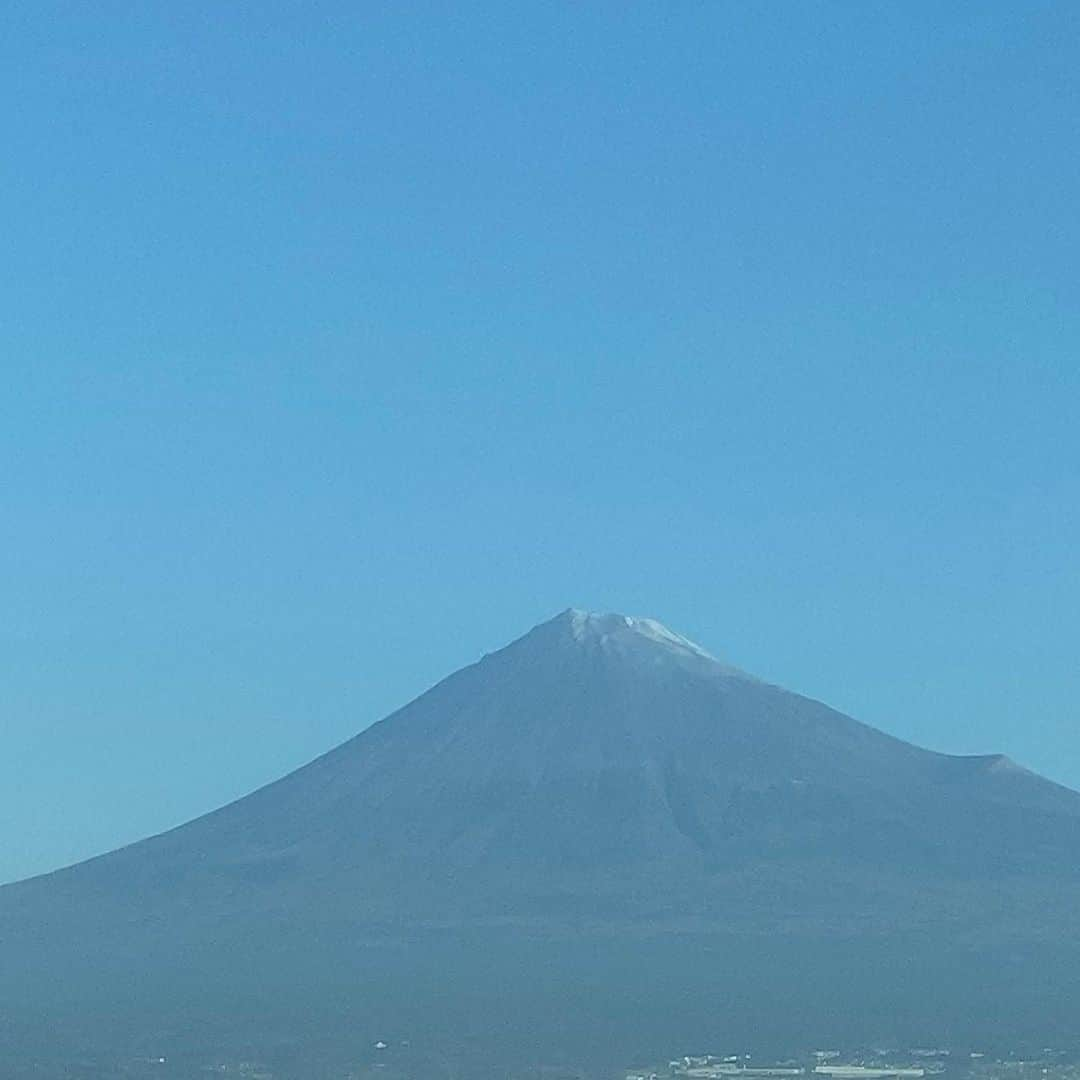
[{"x": 590, "y": 627}]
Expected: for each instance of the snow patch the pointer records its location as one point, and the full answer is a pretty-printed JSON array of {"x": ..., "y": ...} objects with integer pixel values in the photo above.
[{"x": 592, "y": 626}]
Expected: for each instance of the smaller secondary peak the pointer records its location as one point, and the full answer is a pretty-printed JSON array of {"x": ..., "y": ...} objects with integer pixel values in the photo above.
[{"x": 589, "y": 626}]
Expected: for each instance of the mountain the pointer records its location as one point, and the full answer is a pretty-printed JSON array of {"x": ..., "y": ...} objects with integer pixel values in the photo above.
[{"x": 597, "y": 836}]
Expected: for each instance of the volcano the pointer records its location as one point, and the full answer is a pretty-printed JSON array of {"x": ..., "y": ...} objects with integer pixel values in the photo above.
[{"x": 597, "y": 837}]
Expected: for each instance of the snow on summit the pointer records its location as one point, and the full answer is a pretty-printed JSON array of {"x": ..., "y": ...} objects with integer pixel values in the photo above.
[
  {"x": 591, "y": 626},
  {"x": 640, "y": 642}
]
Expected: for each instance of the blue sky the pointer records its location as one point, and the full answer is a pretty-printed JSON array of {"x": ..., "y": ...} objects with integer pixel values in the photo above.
[{"x": 344, "y": 342}]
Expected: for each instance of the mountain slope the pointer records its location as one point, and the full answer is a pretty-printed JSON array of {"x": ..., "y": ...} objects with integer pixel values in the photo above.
[{"x": 601, "y": 776}]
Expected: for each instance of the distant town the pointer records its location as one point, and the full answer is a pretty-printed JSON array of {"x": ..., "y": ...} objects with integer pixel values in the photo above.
[
  {"x": 386, "y": 1060},
  {"x": 873, "y": 1064}
]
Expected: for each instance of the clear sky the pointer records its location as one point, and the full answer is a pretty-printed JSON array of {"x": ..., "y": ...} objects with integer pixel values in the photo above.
[{"x": 343, "y": 342}]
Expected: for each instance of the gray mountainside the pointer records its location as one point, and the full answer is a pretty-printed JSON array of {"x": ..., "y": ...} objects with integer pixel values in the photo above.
[{"x": 601, "y": 780}]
